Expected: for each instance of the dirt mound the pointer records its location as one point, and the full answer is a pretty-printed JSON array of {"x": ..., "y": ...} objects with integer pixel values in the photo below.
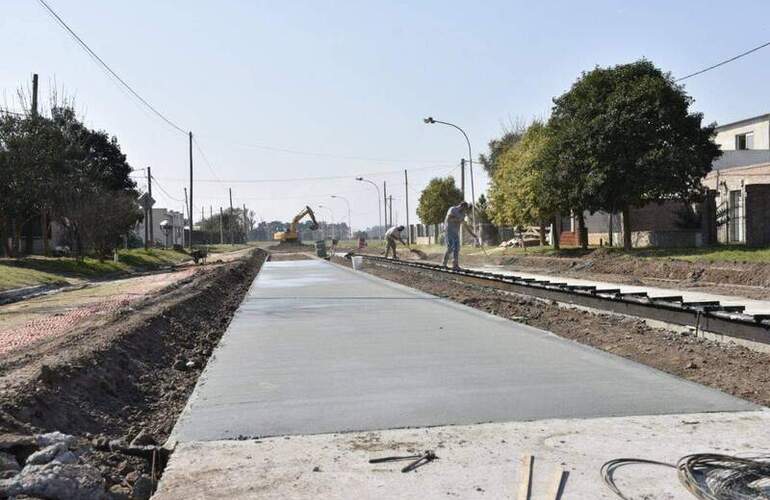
[{"x": 119, "y": 388}]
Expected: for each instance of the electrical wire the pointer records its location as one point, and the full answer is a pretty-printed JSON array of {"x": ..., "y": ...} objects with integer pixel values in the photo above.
[
  {"x": 300, "y": 179},
  {"x": 708, "y": 476},
  {"x": 318, "y": 154},
  {"x": 205, "y": 158},
  {"x": 105, "y": 66},
  {"x": 166, "y": 192},
  {"x": 726, "y": 61}
]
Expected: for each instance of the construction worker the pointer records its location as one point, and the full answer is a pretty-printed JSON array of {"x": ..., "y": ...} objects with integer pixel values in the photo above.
[
  {"x": 455, "y": 221},
  {"x": 393, "y": 235}
]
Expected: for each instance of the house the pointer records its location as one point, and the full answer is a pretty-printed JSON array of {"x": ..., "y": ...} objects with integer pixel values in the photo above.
[
  {"x": 736, "y": 208},
  {"x": 740, "y": 181},
  {"x": 167, "y": 228}
]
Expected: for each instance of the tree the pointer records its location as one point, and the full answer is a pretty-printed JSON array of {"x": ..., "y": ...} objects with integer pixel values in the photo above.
[
  {"x": 519, "y": 194},
  {"x": 623, "y": 137},
  {"x": 498, "y": 147},
  {"x": 436, "y": 198}
]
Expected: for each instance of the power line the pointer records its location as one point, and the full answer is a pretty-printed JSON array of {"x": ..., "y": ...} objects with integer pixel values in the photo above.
[
  {"x": 205, "y": 158},
  {"x": 166, "y": 192},
  {"x": 300, "y": 179},
  {"x": 723, "y": 62},
  {"x": 319, "y": 154},
  {"x": 104, "y": 65}
]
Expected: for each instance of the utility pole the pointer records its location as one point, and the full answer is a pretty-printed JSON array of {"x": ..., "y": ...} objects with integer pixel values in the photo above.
[
  {"x": 245, "y": 221},
  {"x": 462, "y": 188},
  {"x": 191, "y": 191},
  {"x": 406, "y": 200},
  {"x": 44, "y": 210},
  {"x": 34, "y": 94},
  {"x": 149, "y": 191},
  {"x": 385, "y": 202},
  {"x": 230, "y": 220},
  {"x": 390, "y": 204},
  {"x": 186, "y": 209},
  {"x": 221, "y": 232}
]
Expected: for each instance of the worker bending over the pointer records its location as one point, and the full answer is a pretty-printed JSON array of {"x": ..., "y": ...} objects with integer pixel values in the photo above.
[
  {"x": 454, "y": 221},
  {"x": 393, "y": 235}
]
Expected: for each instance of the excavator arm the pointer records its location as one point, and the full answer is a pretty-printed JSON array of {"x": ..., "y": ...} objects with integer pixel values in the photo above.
[
  {"x": 292, "y": 234},
  {"x": 306, "y": 211}
]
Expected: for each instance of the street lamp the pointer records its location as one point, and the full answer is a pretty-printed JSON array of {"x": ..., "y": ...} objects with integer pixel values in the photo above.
[
  {"x": 379, "y": 208},
  {"x": 430, "y": 120},
  {"x": 332, "y": 214},
  {"x": 350, "y": 224}
]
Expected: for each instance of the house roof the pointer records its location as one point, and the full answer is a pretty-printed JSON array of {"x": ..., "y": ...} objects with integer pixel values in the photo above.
[{"x": 743, "y": 121}]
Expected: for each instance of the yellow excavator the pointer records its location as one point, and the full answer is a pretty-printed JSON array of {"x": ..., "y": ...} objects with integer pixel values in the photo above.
[{"x": 291, "y": 236}]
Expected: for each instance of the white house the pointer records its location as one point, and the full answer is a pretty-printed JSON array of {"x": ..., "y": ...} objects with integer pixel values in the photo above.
[{"x": 745, "y": 162}]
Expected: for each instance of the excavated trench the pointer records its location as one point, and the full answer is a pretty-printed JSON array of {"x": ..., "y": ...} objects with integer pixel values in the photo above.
[{"x": 118, "y": 388}]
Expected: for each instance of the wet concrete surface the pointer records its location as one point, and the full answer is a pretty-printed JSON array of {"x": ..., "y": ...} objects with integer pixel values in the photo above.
[{"x": 316, "y": 348}]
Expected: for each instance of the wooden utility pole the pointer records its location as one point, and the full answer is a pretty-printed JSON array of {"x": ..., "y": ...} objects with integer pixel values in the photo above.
[
  {"x": 390, "y": 208},
  {"x": 221, "y": 232},
  {"x": 149, "y": 191},
  {"x": 245, "y": 224},
  {"x": 406, "y": 201},
  {"x": 34, "y": 94},
  {"x": 191, "y": 191},
  {"x": 44, "y": 210},
  {"x": 385, "y": 202},
  {"x": 186, "y": 209},
  {"x": 230, "y": 220}
]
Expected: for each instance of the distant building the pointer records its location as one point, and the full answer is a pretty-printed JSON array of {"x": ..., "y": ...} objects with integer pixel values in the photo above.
[{"x": 168, "y": 228}]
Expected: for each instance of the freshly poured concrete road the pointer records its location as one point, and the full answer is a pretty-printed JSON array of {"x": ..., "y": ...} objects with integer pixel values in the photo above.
[{"x": 316, "y": 348}]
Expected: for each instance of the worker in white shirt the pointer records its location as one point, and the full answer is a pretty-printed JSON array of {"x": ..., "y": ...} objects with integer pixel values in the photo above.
[
  {"x": 393, "y": 235},
  {"x": 454, "y": 222}
]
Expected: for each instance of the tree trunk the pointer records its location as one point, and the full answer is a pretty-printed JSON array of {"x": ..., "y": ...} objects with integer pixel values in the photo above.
[
  {"x": 609, "y": 230},
  {"x": 17, "y": 238},
  {"x": 626, "y": 228},
  {"x": 582, "y": 236},
  {"x": 44, "y": 230},
  {"x": 541, "y": 231},
  {"x": 556, "y": 231},
  {"x": 5, "y": 236}
]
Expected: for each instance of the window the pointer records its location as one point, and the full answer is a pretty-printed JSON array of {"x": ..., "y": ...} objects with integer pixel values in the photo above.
[{"x": 744, "y": 141}]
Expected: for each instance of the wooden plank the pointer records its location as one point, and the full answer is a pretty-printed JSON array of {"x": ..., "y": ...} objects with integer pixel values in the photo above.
[
  {"x": 556, "y": 488},
  {"x": 525, "y": 477}
]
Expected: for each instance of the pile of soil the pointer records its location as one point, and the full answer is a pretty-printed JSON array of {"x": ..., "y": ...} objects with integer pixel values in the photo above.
[
  {"x": 129, "y": 377},
  {"x": 725, "y": 366}
]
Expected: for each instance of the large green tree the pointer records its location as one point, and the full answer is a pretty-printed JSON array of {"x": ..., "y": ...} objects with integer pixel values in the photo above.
[
  {"x": 519, "y": 195},
  {"x": 624, "y": 136},
  {"x": 436, "y": 198}
]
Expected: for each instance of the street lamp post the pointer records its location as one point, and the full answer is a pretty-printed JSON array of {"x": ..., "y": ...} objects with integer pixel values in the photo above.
[
  {"x": 331, "y": 213},
  {"x": 350, "y": 224},
  {"x": 431, "y": 120},
  {"x": 379, "y": 208}
]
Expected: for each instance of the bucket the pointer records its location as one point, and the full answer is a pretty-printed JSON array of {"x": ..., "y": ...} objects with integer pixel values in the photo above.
[{"x": 358, "y": 262}]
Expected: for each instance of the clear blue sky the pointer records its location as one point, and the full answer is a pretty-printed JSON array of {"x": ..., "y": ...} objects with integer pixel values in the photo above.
[{"x": 353, "y": 80}]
